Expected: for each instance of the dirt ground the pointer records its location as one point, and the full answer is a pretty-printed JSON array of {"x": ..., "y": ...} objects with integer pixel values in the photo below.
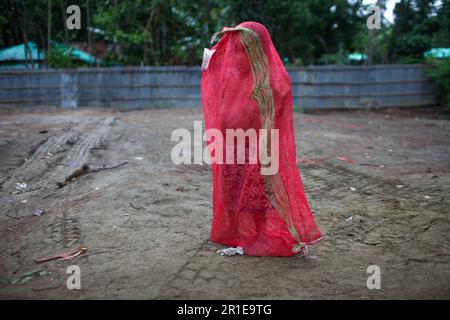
[{"x": 146, "y": 224}]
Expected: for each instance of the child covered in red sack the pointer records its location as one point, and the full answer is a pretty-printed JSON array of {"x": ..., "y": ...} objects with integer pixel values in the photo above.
[{"x": 245, "y": 86}]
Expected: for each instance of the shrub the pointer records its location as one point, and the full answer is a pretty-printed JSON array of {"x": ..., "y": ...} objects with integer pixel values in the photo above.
[{"x": 439, "y": 71}]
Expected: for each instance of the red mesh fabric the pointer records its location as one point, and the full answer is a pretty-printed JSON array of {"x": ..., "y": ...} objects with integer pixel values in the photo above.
[{"x": 245, "y": 214}]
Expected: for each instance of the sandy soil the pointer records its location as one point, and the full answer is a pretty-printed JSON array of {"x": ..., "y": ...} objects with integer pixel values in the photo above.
[{"x": 146, "y": 224}]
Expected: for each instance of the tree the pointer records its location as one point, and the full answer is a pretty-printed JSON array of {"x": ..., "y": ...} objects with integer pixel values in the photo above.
[
  {"x": 419, "y": 25},
  {"x": 171, "y": 32}
]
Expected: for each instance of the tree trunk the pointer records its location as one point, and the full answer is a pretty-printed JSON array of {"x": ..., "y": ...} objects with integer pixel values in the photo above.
[
  {"x": 373, "y": 34},
  {"x": 64, "y": 16},
  {"x": 28, "y": 52},
  {"x": 49, "y": 24},
  {"x": 88, "y": 21}
]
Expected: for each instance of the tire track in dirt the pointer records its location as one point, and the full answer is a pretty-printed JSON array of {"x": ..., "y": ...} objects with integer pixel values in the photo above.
[
  {"x": 45, "y": 167},
  {"x": 330, "y": 177},
  {"x": 36, "y": 165},
  {"x": 203, "y": 270},
  {"x": 81, "y": 150},
  {"x": 192, "y": 274},
  {"x": 379, "y": 211},
  {"x": 67, "y": 227}
]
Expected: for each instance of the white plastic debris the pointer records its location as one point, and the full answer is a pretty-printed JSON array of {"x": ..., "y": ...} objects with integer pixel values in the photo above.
[
  {"x": 207, "y": 55},
  {"x": 349, "y": 219},
  {"x": 230, "y": 251},
  {"x": 39, "y": 212},
  {"x": 353, "y": 189},
  {"x": 427, "y": 197},
  {"x": 138, "y": 158},
  {"x": 307, "y": 252},
  {"x": 399, "y": 186},
  {"x": 21, "y": 186}
]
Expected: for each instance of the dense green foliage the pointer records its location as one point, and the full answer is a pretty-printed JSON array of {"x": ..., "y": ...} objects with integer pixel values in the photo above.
[
  {"x": 419, "y": 26},
  {"x": 439, "y": 71},
  {"x": 170, "y": 32}
]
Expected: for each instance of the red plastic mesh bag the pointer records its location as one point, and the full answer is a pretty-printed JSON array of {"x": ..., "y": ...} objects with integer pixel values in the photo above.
[{"x": 246, "y": 86}]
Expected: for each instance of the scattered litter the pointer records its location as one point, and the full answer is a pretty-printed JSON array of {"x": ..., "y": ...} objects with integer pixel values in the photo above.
[
  {"x": 353, "y": 189},
  {"x": 97, "y": 188},
  {"x": 303, "y": 250},
  {"x": 307, "y": 252},
  {"x": 30, "y": 275},
  {"x": 138, "y": 158},
  {"x": 43, "y": 131},
  {"x": 349, "y": 219},
  {"x": 24, "y": 201},
  {"x": 427, "y": 197},
  {"x": 399, "y": 186},
  {"x": 230, "y": 251},
  {"x": 21, "y": 186},
  {"x": 63, "y": 256},
  {"x": 390, "y": 150},
  {"x": 38, "y": 212}
]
